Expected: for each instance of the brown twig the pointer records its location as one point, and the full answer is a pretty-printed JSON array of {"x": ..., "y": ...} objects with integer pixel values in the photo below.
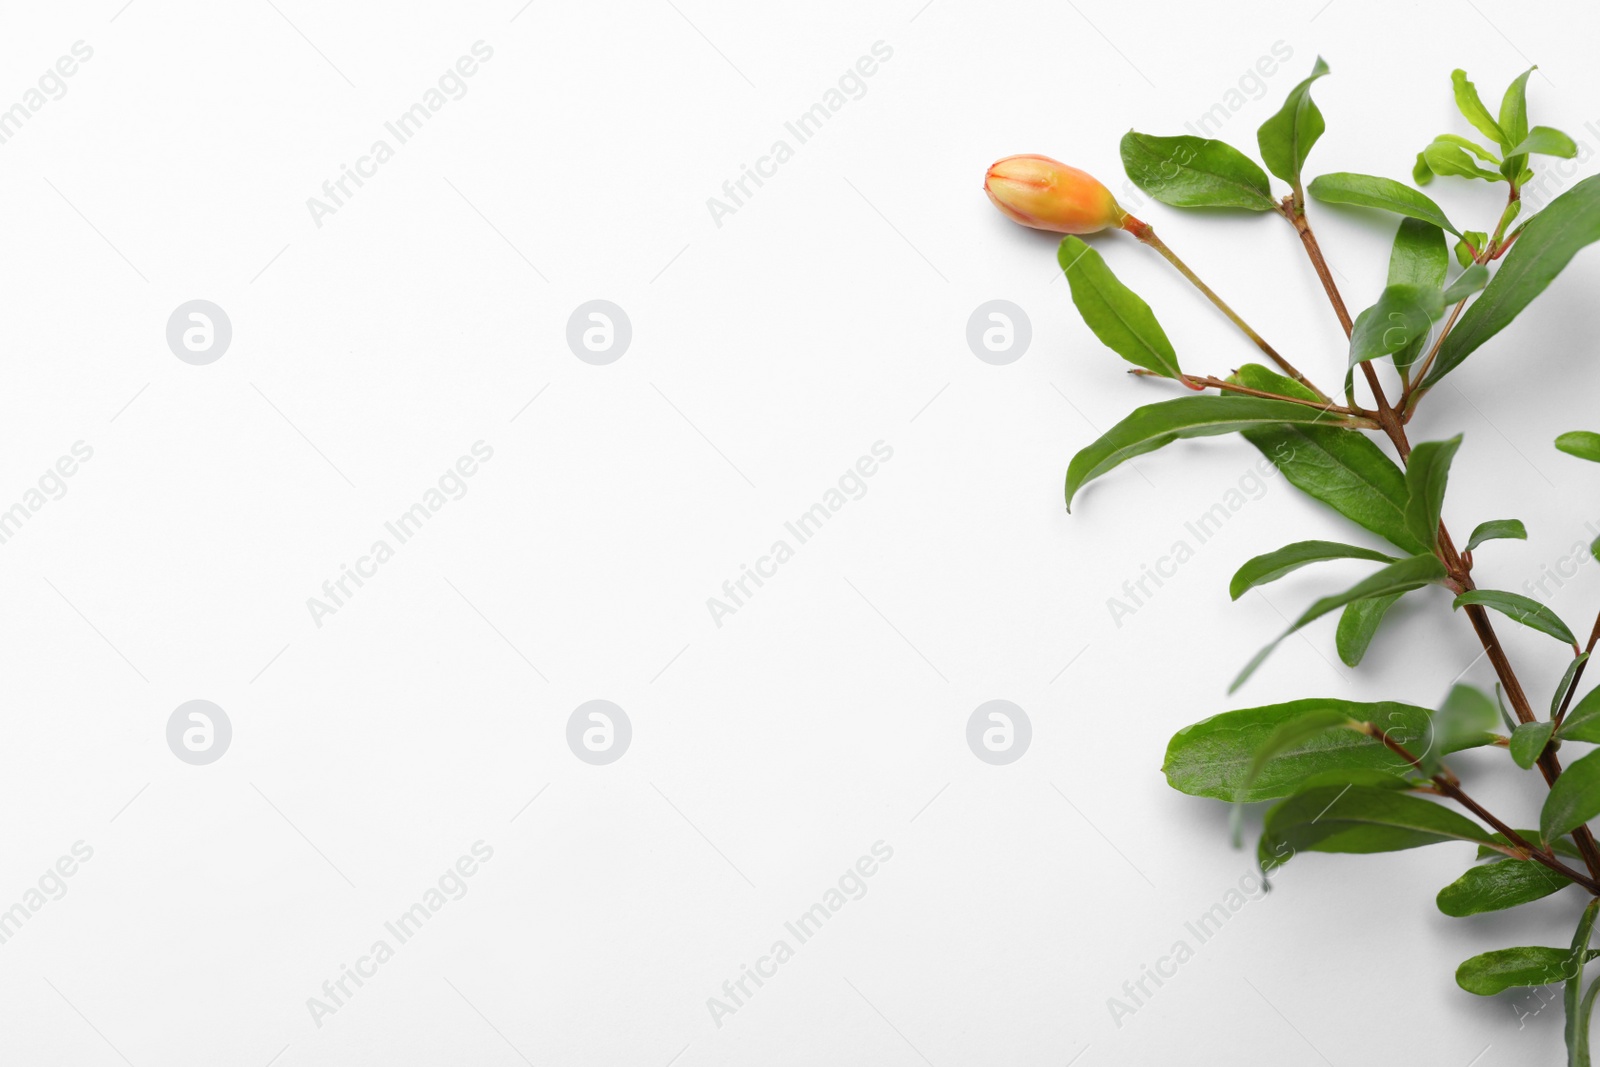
[
  {"x": 1493, "y": 250},
  {"x": 1447, "y": 785},
  {"x": 1318, "y": 262},
  {"x": 1411, "y": 393},
  {"x": 1235, "y": 387},
  {"x": 1460, "y": 574},
  {"x": 1577, "y": 676},
  {"x": 1147, "y": 234}
]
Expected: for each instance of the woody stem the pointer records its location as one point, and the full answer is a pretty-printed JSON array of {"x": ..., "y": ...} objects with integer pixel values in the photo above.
[{"x": 1146, "y": 234}]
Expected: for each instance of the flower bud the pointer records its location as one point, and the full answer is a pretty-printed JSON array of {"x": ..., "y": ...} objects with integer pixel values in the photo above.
[{"x": 1038, "y": 191}]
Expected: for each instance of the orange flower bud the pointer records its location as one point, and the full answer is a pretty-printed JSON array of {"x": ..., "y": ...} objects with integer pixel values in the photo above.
[{"x": 1038, "y": 191}]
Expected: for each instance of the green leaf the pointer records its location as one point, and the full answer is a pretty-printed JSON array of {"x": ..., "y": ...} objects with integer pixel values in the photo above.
[
  {"x": 1471, "y": 146},
  {"x": 1578, "y": 1025},
  {"x": 1214, "y": 757},
  {"x": 1514, "y": 111},
  {"x": 1122, "y": 322},
  {"x": 1286, "y": 736},
  {"x": 1358, "y": 819},
  {"x": 1577, "y": 1012},
  {"x": 1515, "y": 606},
  {"x": 1500, "y": 702},
  {"x": 1354, "y": 776},
  {"x": 1274, "y": 565},
  {"x": 1528, "y": 740},
  {"x": 1418, "y": 257},
  {"x": 1561, "y": 846},
  {"x": 1463, "y": 720},
  {"x": 1574, "y": 798},
  {"x": 1400, "y": 577},
  {"x": 1509, "y": 968},
  {"x": 1340, "y": 467},
  {"x": 1157, "y": 425},
  {"x": 1421, "y": 173},
  {"x": 1495, "y": 530},
  {"x": 1195, "y": 172},
  {"x": 1512, "y": 210},
  {"x": 1386, "y": 194},
  {"x": 1546, "y": 141},
  {"x": 1445, "y": 157},
  {"x": 1567, "y": 224},
  {"x": 1286, "y": 138},
  {"x": 1498, "y": 886},
  {"x": 1400, "y": 321},
  {"x": 1583, "y": 720},
  {"x": 1471, "y": 106},
  {"x": 1568, "y": 677},
  {"x": 1472, "y": 242},
  {"x": 1357, "y": 625},
  {"x": 1427, "y": 473},
  {"x": 1581, "y": 443},
  {"x": 1470, "y": 281}
]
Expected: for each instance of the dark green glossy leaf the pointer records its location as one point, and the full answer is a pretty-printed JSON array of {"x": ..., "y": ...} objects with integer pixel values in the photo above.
[
  {"x": 1157, "y": 425},
  {"x": 1123, "y": 322},
  {"x": 1418, "y": 257},
  {"x": 1510, "y": 968},
  {"x": 1358, "y": 819},
  {"x": 1471, "y": 107},
  {"x": 1528, "y": 740},
  {"x": 1195, "y": 172},
  {"x": 1567, "y": 678},
  {"x": 1400, "y": 321},
  {"x": 1577, "y": 1007},
  {"x": 1356, "y": 776},
  {"x": 1567, "y": 224},
  {"x": 1386, "y": 194},
  {"x": 1500, "y": 702},
  {"x": 1579, "y": 1024},
  {"x": 1341, "y": 468},
  {"x": 1357, "y": 625},
  {"x": 1274, "y": 565},
  {"x": 1286, "y": 138},
  {"x": 1584, "y": 444},
  {"x": 1574, "y": 798},
  {"x": 1287, "y": 736},
  {"x": 1498, "y": 886},
  {"x": 1399, "y": 577},
  {"x": 1515, "y": 606},
  {"x": 1583, "y": 720},
  {"x": 1213, "y": 757},
  {"x": 1545, "y": 141},
  {"x": 1427, "y": 474},
  {"x": 1497, "y": 529}
]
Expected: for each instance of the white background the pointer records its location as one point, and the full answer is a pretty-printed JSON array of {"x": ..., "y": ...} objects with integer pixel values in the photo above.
[{"x": 769, "y": 353}]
